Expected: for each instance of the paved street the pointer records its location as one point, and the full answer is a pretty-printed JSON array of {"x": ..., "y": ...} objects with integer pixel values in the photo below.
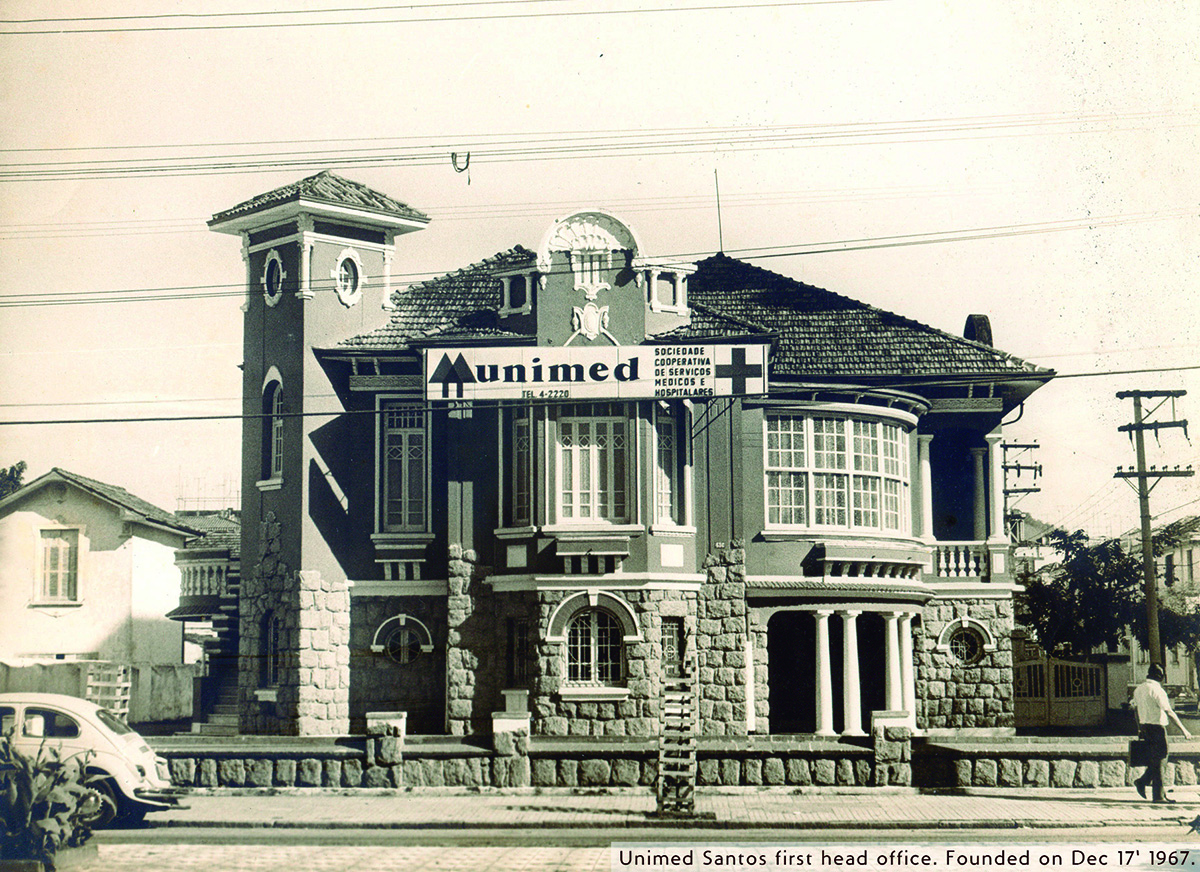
[{"x": 514, "y": 831}]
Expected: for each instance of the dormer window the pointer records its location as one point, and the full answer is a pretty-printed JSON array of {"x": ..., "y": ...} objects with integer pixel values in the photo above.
[
  {"x": 666, "y": 291},
  {"x": 518, "y": 294}
]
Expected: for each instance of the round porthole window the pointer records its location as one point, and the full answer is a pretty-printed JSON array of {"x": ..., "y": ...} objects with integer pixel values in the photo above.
[
  {"x": 403, "y": 645},
  {"x": 966, "y": 645},
  {"x": 348, "y": 277},
  {"x": 272, "y": 278}
]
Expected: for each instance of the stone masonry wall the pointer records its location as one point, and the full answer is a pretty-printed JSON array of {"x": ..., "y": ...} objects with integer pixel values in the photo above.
[
  {"x": 472, "y": 690},
  {"x": 638, "y": 714},
  {"x": 323, "y": 656},
  {"x": 955, "y": 695},
  {"x": 268, "y": 587},
  {"x": 721, "y": 635}
]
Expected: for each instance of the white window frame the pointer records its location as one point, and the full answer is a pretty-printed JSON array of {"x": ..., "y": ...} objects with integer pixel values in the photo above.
[
  {"x": 41, "y": 594},
  {"x": 591, "y": 670},
  {"x": 669, "y": 470},
  {"x": 402, "y": 406},
  {"x": 521, "y": 474},
  {"x": 590, "y": 471},
  {"x": 271, "y": 443},
  {"x": 506, "y": 305},
  {"x": 678, "y": 280},
  {"x": 832, "y": 471}
]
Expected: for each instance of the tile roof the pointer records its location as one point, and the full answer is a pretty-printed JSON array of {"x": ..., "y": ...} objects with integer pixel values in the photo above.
[
  {"x": 462, "y": 303},
  {"x": 823, "y": 334},
  {"x": 324, "y": 187},
  {"x": 117, "y": 495},
  {"x": 816, "y": 333},
  {"x": 217, "y": 530}
]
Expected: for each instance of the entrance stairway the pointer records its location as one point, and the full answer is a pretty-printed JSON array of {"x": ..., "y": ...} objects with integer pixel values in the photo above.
[{"x": 676, "y": 787}]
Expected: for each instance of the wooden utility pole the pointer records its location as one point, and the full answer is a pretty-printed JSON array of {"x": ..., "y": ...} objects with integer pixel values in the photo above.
[{"x": 1137, "y": 432}]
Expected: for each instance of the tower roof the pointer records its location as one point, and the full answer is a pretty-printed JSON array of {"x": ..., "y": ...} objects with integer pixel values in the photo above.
[{"x": 325, "y": 194}]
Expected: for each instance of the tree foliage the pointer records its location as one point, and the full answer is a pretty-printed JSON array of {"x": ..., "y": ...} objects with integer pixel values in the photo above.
[
  {"x": 1094, "y": 595},
  {"x": 11, "y": 478}
]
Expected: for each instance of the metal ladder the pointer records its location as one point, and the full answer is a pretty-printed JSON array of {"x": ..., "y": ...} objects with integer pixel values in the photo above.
[{"x": 677, "y": 745}]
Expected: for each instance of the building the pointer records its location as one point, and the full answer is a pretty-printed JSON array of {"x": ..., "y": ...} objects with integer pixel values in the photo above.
[
  {"x": 210, "y": 570},
  {"x": 89, "y": 575},
  {"x": 548, "y": 481}
]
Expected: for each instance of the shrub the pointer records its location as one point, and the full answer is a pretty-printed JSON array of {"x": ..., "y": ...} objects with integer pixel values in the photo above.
[{"x": 44, "y": 800}]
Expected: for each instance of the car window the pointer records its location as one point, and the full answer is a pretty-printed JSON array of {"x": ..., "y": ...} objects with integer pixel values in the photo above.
[
  {"x": 8, "y": 719},
  {"x": 111, "y": 721},
  {"x": 50, "y": 724}
]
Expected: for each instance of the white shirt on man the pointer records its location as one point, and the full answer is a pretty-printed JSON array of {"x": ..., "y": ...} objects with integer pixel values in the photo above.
[{"x": 1152, "y": 703}]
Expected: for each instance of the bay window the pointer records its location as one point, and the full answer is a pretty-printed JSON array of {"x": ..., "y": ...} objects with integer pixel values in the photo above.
[
  {"x": 833, "y": 472},
  {"x": 593, "y": 463}
]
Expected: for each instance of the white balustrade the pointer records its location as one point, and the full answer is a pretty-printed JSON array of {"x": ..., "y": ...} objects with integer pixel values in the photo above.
[{"x": 960, "y": 559}]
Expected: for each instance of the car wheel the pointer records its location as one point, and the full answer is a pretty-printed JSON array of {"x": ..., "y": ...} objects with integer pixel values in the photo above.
[{"x": 106, "y": 810}]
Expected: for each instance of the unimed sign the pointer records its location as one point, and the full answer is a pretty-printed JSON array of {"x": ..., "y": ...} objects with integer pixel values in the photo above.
[{"x": 609, "y": 373}]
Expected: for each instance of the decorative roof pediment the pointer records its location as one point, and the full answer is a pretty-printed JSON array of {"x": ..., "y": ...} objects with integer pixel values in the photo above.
[{"x": 590, "y": 230}]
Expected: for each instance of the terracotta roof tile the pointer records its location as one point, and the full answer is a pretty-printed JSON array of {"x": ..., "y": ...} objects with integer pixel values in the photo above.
[
  {"x": 324, "y": 187},
  {"x": 122, "y": 497}
]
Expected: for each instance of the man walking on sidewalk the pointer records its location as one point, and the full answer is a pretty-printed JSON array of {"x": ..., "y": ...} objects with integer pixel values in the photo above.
[{"x": 1153, "y": 707}]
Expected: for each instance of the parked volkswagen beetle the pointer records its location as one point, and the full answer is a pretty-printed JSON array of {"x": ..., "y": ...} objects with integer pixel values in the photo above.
[{"x": 133, "y": 781}]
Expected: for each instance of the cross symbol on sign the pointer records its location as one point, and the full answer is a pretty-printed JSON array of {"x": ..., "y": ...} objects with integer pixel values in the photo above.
[{"x": 738, "y": 370}]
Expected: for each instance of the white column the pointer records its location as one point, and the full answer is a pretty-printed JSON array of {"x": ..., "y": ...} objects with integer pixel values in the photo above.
[
  {"x": 653, "y": 290},
  {"x": 894, "y": 696},
  {"x": 996, "y": 485},
  {"x": 851, "y": 701},
  {"x": 824, "y": 677},
  {"x": 926, "y": 473},
  {"x": 977, "y": 456},
  {"x": 907, "y": 674}
]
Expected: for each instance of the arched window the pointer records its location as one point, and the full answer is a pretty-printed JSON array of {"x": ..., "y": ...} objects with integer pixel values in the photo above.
[
  {"x": 272, "y": 431},
  {"x": 595, "y": 650}
]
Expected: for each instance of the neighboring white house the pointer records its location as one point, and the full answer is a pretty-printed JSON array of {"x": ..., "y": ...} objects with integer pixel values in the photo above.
[{"x": 87, "y": 572}]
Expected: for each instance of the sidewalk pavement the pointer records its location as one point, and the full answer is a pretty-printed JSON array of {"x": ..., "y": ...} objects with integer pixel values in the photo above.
[{"x": 729, "y": 808}]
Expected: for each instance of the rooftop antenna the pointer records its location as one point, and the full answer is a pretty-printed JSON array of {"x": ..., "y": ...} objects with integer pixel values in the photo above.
[{"x": 720, "y": 231}]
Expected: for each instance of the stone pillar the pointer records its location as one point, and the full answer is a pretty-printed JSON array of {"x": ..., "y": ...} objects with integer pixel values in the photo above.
[
  {"x": 892, "y": 741},
  {"x": 893, "y": 694},
  {"x": 721, "y": 636},
  {"x": 852, "y": 703},
  {"x": 510, "y": 744},
  {"x": 323, "y": 686},
  {"x": 907, "y": 676},
  {"x": 386, "y": 732},
  {"x": 977, "y": 457},
  {"x": 824, "y": 677},
  {"x": 926, "y": 478},
  {"x": 461, "y": 661},
  {"x": 996, "y": 486}
]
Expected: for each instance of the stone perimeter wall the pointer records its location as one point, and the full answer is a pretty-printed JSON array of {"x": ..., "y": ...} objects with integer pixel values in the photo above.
[{"x": 517, "y": 761}]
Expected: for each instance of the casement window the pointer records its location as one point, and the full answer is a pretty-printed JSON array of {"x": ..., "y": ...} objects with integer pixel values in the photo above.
[
  {"x": 593, "y": 463},
  {"x": 668, "y": 470},
  {"x": 272, "y": 431},
  {"x": 403, "y": 483},
  {"x": 843, "y": 473},
  {"x": 595, "y": 651},
  {"x": 517, "y": 653},
  {"x": 59, "y": 568},
  {"x": 271, "y": 647},
  {"x": 520, "y": 504}
]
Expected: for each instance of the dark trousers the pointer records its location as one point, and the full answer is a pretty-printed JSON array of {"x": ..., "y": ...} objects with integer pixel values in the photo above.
[{"x": 1156, "y": 737}]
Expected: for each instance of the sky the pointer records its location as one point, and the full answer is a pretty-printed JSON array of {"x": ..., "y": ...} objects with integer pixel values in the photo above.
[{"x": 1032, "y": 161}]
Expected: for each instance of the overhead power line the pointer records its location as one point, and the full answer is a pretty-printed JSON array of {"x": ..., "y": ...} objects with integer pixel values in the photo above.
[
  {"x": 65, "y": 29},
  {"x": 577, "y": 145},
  {"x": 198, "y": 292}
]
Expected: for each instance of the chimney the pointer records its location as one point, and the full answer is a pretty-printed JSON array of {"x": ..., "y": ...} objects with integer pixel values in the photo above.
[{"x": 978, "y": 329}]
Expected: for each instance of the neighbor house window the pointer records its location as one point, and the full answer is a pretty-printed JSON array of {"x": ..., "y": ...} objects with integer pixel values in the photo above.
[
  {"x": 272, "y": 423},
  {"x": 594, "y": 648},
  {"x": 59, "y": 581},
  {"x": 403, "y": 474},
  {"x": 593, "y": 463},
  {"x": 845, "y": 473}
]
